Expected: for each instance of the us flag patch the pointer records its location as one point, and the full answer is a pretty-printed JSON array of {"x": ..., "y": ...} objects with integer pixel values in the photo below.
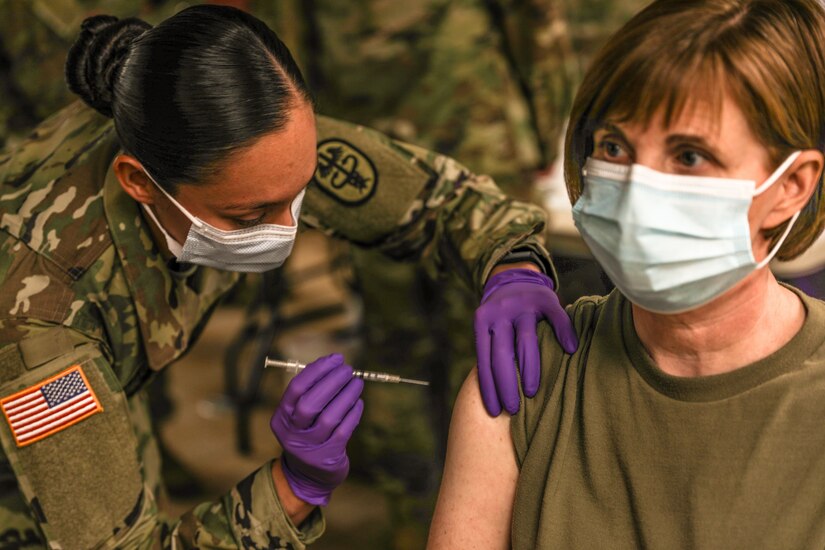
[{"x": 50, "y": 406}]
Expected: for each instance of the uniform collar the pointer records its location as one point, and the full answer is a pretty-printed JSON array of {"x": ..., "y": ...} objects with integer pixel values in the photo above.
[{"x": 170, "y": 306}]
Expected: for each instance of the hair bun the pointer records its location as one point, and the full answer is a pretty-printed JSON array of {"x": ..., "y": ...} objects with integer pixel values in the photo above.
[{"x": 94, "y": 61}]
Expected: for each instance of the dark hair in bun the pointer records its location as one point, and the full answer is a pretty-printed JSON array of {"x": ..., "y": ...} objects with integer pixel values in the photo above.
[
  {"x": 188, "y": 92},
  {"x": 94, "y": 61}
]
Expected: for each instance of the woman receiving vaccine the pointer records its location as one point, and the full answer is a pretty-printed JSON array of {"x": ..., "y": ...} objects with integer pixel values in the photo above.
[{"x": 691, "y": 416}]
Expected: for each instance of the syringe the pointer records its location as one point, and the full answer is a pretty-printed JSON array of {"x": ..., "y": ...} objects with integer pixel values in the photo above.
[{"x": 370, "y": 376}]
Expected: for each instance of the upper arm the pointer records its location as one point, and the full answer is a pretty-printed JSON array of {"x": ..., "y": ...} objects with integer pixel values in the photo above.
[
  {"x": 475, "y": 503},
  {"x": 63, "y": 416},
  {"x": 366, "y": 188},
  {"x": 410, "y": 203}
]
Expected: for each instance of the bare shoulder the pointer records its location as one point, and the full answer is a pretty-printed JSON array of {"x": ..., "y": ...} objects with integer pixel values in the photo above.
[
  {"x": 475, "y": 502},
  {"x": 470, "y": 415}
]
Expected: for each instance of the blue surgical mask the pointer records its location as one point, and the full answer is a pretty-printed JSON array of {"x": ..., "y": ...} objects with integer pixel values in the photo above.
[
  {"x": 670, "y": 243},
  {"x": 253, "y": 250}
]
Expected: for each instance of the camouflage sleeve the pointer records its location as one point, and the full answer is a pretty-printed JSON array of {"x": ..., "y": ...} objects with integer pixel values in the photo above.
[
  {"x": 413, "y": 204},
  {"x": 250, "y": 515},
  {"x": 90, "y": 469},
  {"x": 537, "y": 40}
]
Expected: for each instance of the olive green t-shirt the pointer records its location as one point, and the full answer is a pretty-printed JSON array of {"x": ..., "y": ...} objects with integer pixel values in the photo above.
[{"x": 615, "y": 453}]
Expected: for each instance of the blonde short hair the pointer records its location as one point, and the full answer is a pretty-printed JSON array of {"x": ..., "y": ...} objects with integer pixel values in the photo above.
[{"x": 768, "y": 54}]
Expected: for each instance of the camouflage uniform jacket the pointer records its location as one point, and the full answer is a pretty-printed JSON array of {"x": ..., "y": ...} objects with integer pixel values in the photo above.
[{"x": 86, "y": 298}]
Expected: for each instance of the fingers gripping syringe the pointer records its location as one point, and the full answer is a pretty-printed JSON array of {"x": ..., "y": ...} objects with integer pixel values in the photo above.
[{"x": 295, "y": 366}]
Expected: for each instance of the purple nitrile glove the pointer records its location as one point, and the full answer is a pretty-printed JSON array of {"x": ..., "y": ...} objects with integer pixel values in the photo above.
[
  {"x": 513, "y": 303},
  {"x": 317, "y": 415}
]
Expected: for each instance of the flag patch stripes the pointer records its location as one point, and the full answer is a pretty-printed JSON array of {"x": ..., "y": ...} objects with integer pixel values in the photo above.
[{"x": 50, "y": 406}]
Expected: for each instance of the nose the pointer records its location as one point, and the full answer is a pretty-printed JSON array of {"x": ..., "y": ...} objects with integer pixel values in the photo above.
[{"x": 653, "y": 159}]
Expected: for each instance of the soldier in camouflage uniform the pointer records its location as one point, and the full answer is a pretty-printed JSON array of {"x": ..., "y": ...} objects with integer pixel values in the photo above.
[
  {"x": 485, "y": 81},
  {"x": 84, "y": 283}
]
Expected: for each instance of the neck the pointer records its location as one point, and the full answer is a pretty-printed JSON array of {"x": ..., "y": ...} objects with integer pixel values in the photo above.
[
  {"x": 157, "y": 236},
  {"x": 749, "y": 322}
]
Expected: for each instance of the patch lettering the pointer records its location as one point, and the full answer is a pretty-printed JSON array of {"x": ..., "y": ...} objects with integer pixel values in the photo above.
[
  {"x": 50, "y": 406},
  {"x": 345, "y": 172}
]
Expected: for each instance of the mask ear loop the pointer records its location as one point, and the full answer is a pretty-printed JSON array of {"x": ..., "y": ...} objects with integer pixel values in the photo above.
[
  {"x": 174, "y": 246},
  {"x": 777, "y": 174},
  {"x": 764, "y": 187},
  {"x": 180, "y": 207},
  {"x": 773, "y": 253}
]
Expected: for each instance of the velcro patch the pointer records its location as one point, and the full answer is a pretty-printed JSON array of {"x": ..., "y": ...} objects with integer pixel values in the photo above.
[
  {"x": 366, "y": 185},
  {"x": 50, "y": 406},
  {"x": 345, "y": 172}
]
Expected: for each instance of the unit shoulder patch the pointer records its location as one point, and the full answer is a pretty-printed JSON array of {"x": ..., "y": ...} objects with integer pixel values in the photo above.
[
  {"x": 345, "y": 172},
  {"x": 50, "y": 406}
]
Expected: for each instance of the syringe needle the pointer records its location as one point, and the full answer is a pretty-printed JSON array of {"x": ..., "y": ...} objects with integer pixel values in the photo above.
[
  {"x": 413, "y": 381},
  {"x": 386, "y": 377}
]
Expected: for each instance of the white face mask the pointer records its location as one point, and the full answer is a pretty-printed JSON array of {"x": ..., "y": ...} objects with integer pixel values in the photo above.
[
  {"x": 670, "y": 243},
  {"x": 253, "y": 250}
]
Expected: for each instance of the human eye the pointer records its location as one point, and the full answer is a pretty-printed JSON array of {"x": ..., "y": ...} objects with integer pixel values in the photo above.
[
  {"x": 691, "y": 158},
  {"x": 610, "y": 149},
  {"x": 248, "y": 223}
]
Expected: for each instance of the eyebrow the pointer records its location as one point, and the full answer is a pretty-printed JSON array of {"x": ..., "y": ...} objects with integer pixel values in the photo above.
[{"x": 693, "y": 139}]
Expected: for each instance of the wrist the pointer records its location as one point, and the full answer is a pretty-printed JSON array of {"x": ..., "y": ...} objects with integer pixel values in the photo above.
[
  {"x": 296, "y": 508},
  {"x": 303, "y": 487},
  {"x": 518, "y": 265},
  {"x": 527, "y": 258}
]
